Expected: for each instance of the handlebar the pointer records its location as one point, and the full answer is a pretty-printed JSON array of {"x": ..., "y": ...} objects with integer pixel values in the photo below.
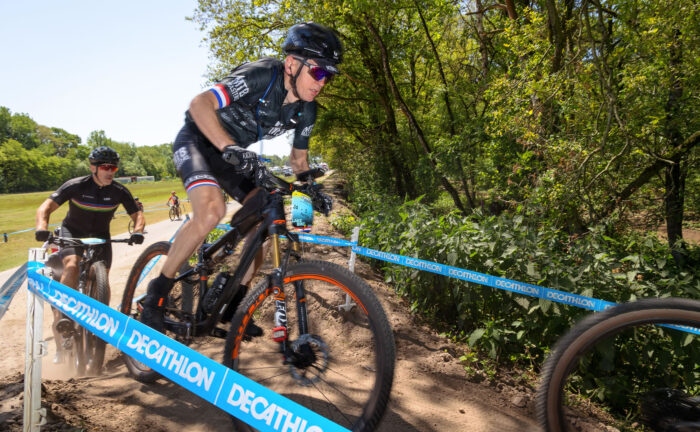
[{"x": 81, "y": 242}]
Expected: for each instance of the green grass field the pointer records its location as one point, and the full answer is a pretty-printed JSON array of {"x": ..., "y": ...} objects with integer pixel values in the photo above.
[{"x": 18, "y": 212}]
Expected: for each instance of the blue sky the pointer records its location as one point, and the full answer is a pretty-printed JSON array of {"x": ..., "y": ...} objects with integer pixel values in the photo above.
[{"x": 127, "y": 67}]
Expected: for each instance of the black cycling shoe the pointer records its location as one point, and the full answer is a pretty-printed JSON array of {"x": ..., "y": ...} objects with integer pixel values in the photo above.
[
  {"x": 154, "y": 307},
  {"x": 153, "y": 316}
]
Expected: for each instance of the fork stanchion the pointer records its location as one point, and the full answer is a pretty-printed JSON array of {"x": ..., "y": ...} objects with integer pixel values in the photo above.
[{"x": 35, "y": 349}]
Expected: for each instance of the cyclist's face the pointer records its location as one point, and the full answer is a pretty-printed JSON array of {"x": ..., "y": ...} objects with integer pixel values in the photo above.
[
  {"x": 307, "y": 86},
  {"x": 104, "y": 177}
]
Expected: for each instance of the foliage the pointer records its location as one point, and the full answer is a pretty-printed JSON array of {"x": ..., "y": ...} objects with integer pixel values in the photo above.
[
  {"x": 35, "y": 157},
  {"x": 594, "y": 265}
]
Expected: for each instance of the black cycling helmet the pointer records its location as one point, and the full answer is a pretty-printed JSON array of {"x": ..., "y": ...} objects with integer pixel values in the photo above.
[
  {"x": 314, "y": 41},
  {"x": 103, "y": 155}
]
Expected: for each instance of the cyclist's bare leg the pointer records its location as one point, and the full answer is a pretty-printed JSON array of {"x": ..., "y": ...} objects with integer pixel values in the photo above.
[
  {"x": 207, "y": 210},
  {"x": 69, "y": 278}
]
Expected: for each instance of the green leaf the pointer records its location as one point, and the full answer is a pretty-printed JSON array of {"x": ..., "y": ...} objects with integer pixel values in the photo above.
[{"x": 475, "y": 336}]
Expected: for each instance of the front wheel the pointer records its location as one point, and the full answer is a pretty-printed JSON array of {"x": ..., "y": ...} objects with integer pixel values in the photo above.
[
  {"x": 131, "y": 227},
  {"x": 341, "y": 367},
  {"x": 621, "y": 367},
  {"x": 181, "y": 299},
  {"x": 171, "y": 213},
  {"x": 91, "y": 348}
]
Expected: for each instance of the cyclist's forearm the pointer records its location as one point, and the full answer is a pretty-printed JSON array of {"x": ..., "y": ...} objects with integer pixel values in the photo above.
[
  {"x": 43, "y": 213},
  {"x": 139, "y": 221}
]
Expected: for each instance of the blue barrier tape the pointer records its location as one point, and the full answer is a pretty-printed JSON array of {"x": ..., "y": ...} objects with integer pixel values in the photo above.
[
  {"x": 475, "y": 277},
  {"x": 10, "y": 287},
  {"x": 488, "y": 280},
  {"x": 234, "y": 393}
]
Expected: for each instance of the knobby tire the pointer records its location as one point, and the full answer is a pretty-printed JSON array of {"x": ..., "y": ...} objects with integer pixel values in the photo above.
[
  {"x": 348, "y": 378},
  {"x": 594, "y": 330},
  {"x": 182, "y": 297},
  {"x": 92, "y": 348}
]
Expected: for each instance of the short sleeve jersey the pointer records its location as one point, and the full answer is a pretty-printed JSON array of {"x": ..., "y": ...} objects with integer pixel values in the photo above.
[
  {"x": 252, "y": 95},
  {"x": 91, "y": 206}
]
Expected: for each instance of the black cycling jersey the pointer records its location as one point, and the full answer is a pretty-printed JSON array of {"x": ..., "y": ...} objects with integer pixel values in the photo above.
[
  {"x": 92, "y": 206},
  {"x": 242, "y": 106}
]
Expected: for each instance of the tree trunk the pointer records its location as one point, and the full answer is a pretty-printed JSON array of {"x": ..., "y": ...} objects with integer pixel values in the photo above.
[{"x": 411, "y": 118}]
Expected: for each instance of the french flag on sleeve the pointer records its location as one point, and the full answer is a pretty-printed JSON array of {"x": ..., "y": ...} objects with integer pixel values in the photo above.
[{"x": 221, "y": 95}]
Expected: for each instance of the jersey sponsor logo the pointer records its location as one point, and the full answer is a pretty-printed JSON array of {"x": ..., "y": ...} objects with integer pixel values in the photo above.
[
  {"x": 180, "y": 156},
  {"x": 307, "y": 131},
  {"x": 237, "y": 87},
  {"x": 88, "y": 196},
  {"x": 94, "y": 207}
]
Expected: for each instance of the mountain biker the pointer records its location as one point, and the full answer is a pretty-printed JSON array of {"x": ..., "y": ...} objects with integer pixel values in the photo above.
[
  {"x": 174, "y": 199},
  {"x": 93, "y": 199},
  {"x": 257, "y": 100},
  {"x": 138, "y": 203}
]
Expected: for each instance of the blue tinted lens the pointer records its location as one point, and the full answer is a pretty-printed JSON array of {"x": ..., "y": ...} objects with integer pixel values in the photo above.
[{"x": 320, "y": 73}]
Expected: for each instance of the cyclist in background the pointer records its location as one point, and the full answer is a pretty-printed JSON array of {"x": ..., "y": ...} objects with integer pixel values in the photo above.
[
  {"x": 174, "y": 199},
  {"x": 93, "y": 199},
  {"x": 138, "y": 203},
  {"x": 262, "y": 99}
]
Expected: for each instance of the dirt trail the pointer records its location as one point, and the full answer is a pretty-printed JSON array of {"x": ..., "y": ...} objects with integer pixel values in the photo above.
[{"x": 431, "y": 391}]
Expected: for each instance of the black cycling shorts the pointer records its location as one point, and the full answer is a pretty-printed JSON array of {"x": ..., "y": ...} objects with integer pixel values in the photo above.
[
  {"x": 198, "y": 163},
  {"x": 102, "y": 252}
]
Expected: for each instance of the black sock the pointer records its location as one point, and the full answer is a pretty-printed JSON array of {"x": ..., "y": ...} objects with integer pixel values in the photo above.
[{"x": 161, "y": 285}]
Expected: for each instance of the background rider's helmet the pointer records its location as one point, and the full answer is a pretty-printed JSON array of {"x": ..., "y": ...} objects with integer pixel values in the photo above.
[
  {"x": 136, "y": 198},
  {"x": 314, "y": 41},
  {"x": 103, "y": 155}
]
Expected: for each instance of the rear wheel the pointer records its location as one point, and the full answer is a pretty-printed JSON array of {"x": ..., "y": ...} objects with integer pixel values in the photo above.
[
  {"x": 621, "y": 367},
  {"x": 181, "y": 299},
  {"x": 342, "y": 367}
]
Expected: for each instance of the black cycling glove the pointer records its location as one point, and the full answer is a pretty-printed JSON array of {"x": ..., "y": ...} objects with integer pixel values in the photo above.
[
  {"x": 136, "y": 238},
  {"x": 322, "y": 203},
  {"x": 42, "y": 235},
  {"x": 244, "y": 161}
]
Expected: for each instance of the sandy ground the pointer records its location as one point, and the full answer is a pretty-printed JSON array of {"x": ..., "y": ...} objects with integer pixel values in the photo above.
[{"x": 431, "y": 391}]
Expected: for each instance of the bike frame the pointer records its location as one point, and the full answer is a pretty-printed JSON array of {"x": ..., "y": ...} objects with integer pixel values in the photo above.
[{"x": 272, "y": 227}]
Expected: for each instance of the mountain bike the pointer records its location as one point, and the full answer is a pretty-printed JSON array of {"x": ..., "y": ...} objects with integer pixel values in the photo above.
[
  {"x": 631, "y": 359},
  {"x": 174, "y": 212},
  {"x": 337, "y": 362},
  {"x": 85, "y": 352}
]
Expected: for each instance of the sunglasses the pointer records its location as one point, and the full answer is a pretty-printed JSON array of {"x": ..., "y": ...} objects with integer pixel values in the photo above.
[
  {"x": 317, "y": 72},
  {"x": 108, "y": 167}
]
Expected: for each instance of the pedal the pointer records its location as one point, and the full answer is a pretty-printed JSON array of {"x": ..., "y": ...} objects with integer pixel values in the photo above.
[{"x": 219, "y": 333}]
